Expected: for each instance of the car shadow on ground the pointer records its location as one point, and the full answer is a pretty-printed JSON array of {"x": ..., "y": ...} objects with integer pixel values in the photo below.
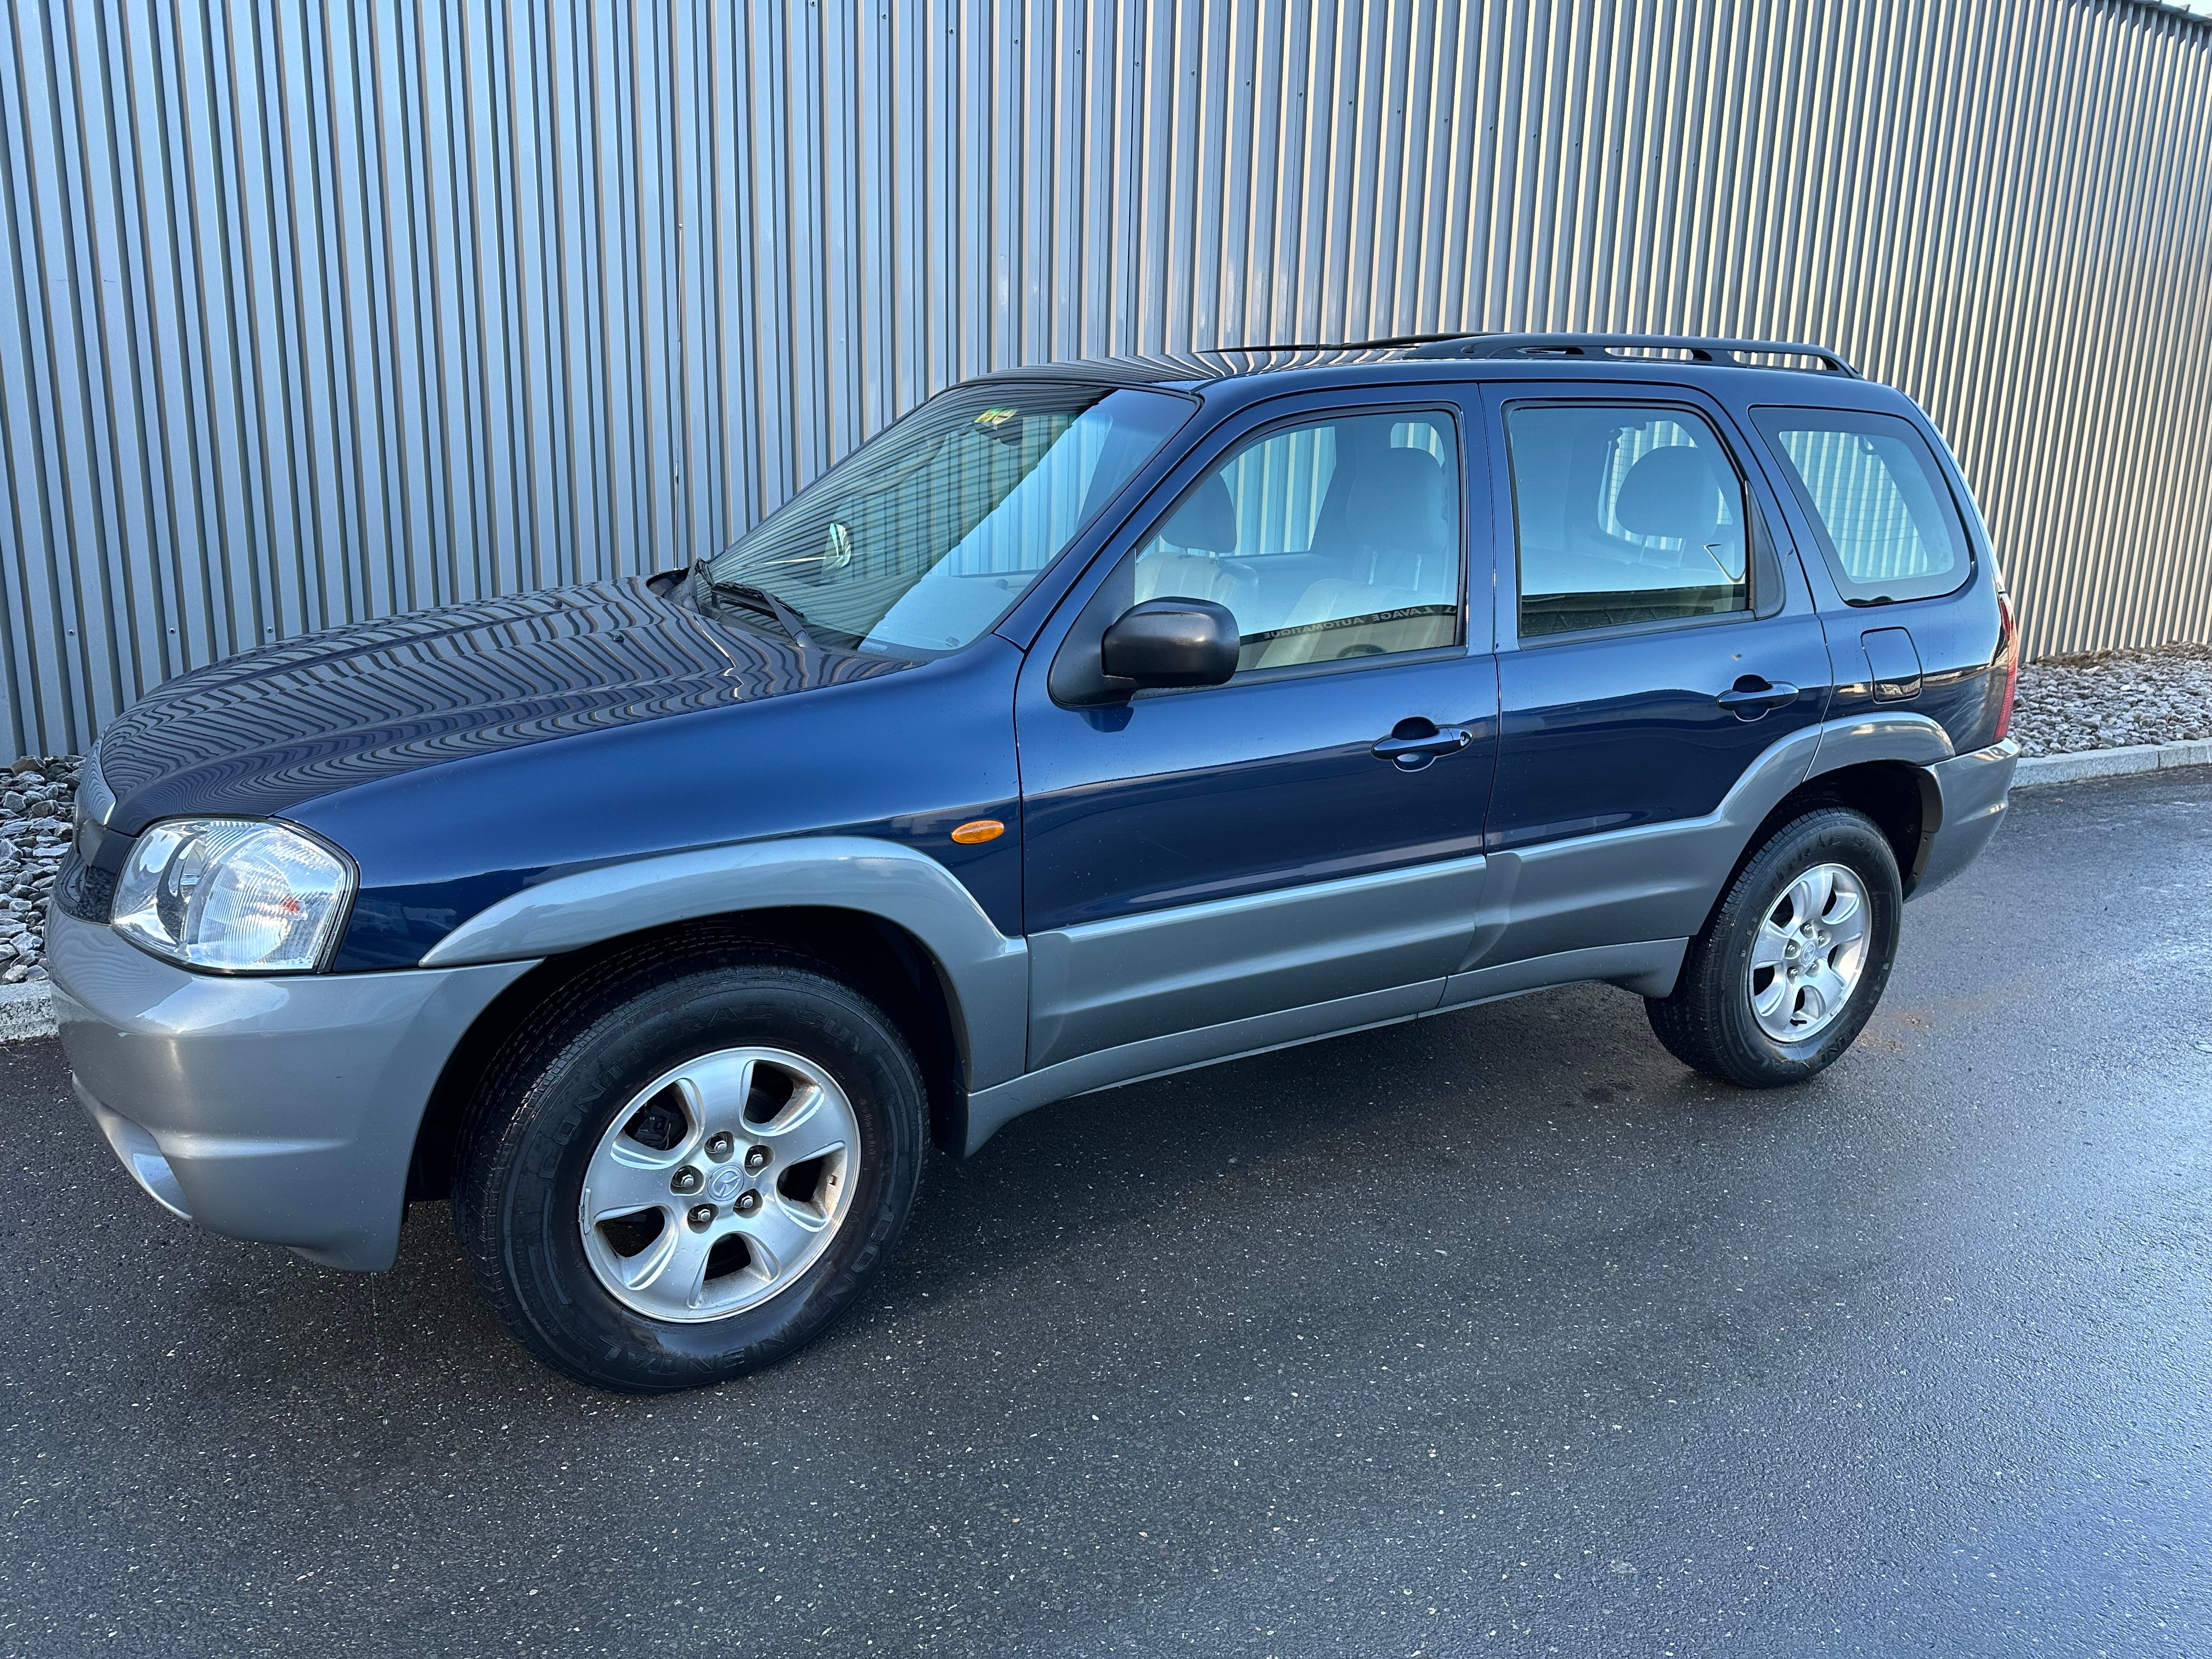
[{"x": 1404, "y": 1107}]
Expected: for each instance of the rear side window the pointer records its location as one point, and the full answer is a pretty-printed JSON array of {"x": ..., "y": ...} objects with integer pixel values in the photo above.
[
  {"x": 1885, "y": 517},
  {"x": 1623, "y": 514}
]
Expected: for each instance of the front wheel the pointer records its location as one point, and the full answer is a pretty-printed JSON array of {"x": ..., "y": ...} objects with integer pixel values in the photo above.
[
  {"x": 1789, "y": 969},
  {"x": 686, "y": 1169}
]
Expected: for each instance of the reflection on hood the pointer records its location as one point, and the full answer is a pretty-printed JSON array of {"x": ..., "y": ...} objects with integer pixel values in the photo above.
[{"x": 262, "y": 732}]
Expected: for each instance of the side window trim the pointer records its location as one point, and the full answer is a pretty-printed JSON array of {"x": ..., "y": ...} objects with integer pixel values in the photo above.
[
  {"x": 1765, "y": 572},
  {"x": 1141, "y": 527}
]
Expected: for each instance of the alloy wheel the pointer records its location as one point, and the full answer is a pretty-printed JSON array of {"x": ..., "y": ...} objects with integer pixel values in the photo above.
[
  {"x": 719, "y": 1184},
  {"x": 1810, "y": 953}
]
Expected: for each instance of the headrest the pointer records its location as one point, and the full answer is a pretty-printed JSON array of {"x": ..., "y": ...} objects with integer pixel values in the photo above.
[
  {"x": 1396, "y": 497},
  {"x": 1207, "y": 520},
  {"x": 1670, "y": 492}
]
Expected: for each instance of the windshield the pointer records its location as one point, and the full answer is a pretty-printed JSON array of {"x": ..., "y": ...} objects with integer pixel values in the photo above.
[{"x": 922, "y": 540}]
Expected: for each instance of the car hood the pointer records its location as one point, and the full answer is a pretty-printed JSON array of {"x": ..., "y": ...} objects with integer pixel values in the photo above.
[{"x": 259, "y": 733}]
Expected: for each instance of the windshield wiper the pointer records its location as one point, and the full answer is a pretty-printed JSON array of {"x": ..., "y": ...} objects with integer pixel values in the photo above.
[{"x": 759, "y": 599}]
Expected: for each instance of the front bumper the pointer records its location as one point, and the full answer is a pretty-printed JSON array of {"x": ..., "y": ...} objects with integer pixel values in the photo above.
[
  {"x": 281, "y": 1108},
  {"x": 1974, "y": 789}
]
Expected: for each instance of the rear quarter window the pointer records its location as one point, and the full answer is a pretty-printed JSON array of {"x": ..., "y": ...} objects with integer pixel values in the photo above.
[{"x": 1883, "y": 513}]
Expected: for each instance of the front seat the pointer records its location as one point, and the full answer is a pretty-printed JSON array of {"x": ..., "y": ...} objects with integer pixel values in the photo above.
[
  {"x": 1394, "y": 552},
  {"x": 1395, "y": 514},
  {"x": 1205, "y": 528}
]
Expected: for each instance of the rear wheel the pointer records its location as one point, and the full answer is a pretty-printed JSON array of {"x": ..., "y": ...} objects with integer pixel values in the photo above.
[
  {"x": 1788, "y": 971},
  {"x": 683, "y": 1170}
]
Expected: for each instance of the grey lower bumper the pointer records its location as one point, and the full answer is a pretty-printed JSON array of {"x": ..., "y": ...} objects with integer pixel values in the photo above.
[
  {"x": 1973, "y": 787},
  {"x": 281, "y": 1108}
]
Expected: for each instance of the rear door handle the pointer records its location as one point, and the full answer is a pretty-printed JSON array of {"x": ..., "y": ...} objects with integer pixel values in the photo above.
[
  {"x": 1752, "y": 697},
  {"x": 1413, "y": 744}
]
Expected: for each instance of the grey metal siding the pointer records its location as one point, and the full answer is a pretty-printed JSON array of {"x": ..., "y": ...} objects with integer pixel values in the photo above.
[{"x": 312, "y": 310}]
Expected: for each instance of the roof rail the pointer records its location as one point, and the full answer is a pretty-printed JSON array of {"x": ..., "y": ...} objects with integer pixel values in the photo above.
[
  {"x": 1540, "y": 347},
  {"x": 1343, "y": 345}
]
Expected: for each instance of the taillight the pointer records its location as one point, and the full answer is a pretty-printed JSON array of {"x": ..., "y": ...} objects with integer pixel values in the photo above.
[{"x": 2009, "y": 648}]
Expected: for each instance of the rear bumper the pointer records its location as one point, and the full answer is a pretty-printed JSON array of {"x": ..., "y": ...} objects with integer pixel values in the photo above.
[
  {"x": 281, "y": 1108},
  {"x": 1973, "y": 792}
]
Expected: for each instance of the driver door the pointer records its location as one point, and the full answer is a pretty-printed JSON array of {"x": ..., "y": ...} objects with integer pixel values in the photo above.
[{"x": 1297, "y": 850}]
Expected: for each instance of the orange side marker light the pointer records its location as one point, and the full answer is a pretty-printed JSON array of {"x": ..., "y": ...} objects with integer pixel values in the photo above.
[{"x": 979, "y": 829}]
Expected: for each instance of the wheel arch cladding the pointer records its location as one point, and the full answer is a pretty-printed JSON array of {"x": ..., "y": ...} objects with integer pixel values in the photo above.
[
  {"x": 985, "y": 974},
  {"x": 890, "y": 964},
  {"x": 1899, "y": 797},
  {"x": 1874, "y": 763}
]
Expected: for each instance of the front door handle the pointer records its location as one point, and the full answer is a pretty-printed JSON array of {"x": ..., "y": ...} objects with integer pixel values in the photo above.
[
  {"x": 1413, "y": 744},
  {"x": 1752, "y": 697}
]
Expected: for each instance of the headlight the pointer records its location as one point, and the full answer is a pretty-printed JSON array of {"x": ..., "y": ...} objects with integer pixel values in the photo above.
[{"x": 233, "y": 893}]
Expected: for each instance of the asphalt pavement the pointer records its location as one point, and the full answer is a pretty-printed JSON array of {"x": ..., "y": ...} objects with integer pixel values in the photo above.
[{"x": 1496, "y": 1333}]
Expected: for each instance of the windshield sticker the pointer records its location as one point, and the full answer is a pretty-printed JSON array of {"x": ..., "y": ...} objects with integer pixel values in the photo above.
[{"x": 991, "y": 417}]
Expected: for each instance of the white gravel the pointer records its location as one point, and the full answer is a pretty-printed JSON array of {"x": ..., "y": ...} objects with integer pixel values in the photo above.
[
  {"x": 2110, "y": 699},
  {"x": 38, "y": 802},
  {"x": 2102, "y": 700}
]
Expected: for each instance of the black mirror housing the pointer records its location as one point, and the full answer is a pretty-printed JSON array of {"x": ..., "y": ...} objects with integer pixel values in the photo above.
[{"x": 1171, "y": 642}]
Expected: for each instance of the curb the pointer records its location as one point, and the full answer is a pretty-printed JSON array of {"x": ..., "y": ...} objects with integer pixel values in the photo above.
[
  {"x": 2084, "y": 763},
  {"x": 26, "y": 1011}
]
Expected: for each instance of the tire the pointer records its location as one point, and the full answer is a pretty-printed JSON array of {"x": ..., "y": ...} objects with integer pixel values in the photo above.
[
  {"x": 1713, "y": 1021},
  {"x": 623, "y": 1077}
]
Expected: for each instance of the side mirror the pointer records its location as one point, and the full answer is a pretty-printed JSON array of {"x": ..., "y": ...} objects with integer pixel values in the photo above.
[{"x": 1166, "y": 642}]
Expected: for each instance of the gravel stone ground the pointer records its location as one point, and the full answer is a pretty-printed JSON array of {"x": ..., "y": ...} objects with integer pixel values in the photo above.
[
  {"x": 38, "y": 803},
  {"x": 2111, "y": 699}
]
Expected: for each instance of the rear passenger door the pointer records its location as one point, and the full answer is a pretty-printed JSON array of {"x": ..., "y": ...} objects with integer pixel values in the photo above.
[{"x": 1656, "y": 641}]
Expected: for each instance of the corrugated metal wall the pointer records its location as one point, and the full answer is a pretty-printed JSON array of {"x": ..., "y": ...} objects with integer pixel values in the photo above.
[{"x": 312, "y": 310}]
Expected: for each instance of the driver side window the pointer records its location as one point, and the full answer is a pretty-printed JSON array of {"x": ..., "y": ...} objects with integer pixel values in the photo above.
[{"x": 1327, "y": 541}]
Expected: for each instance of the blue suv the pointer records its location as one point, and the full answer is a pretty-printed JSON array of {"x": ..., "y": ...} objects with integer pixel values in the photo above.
[{"x": 1093, "y": 722}]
